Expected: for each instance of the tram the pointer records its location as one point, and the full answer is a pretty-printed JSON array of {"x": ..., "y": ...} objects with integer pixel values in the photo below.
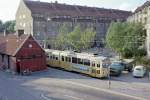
[{"x": 92, "y": 65}]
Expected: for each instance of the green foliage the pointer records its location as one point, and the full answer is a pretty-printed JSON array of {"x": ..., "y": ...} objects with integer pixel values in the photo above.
[
  {"x": 77, "y": 39},
  {"x": 87, "y": 37},
  {"x": 1, "y": 26},
  {"x": 126, "y": 38},
  {"x": 127, "y": 53},
  {"x": 143, "y": 61},
  {"x": 61, "y": 41},
  {"x": 115, "y": 36},
  {"x": 74, "y": 38},
  {"x": 9, "y": 26}
]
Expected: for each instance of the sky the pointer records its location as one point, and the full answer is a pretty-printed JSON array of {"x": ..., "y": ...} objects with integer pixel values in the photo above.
[{"x": 8, "y": 8}]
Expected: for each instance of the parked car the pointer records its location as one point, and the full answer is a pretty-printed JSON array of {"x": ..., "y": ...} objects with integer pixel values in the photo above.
[
  {"x": 116, "y": 68},
  {"x": 127, "y": 66},
  {"x": 139, "y": 71}
]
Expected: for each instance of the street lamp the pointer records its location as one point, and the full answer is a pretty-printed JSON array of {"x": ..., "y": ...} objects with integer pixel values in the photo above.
[{"x": 46, "y": 31}]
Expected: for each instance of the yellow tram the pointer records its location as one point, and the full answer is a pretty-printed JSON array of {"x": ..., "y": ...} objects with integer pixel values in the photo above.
[{"x": 95, "y": 66}]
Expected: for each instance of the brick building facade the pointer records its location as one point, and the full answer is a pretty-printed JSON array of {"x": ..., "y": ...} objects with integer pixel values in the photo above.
[{"x": 43, "y": 19}]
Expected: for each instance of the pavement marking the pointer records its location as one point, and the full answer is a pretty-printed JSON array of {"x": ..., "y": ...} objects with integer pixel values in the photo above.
[
  {"x": 45, "y": 97},
  {"x": 105, "y": 90},
  {"x": 73, "y": 97}
]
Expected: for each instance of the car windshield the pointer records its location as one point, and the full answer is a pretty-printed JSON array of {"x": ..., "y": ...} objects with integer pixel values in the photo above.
[
  {"x": 116, "y": 64},
  {"x": 138, "y": 69}
]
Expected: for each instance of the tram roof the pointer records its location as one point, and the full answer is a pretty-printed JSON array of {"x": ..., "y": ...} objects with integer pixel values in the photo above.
[{"x": 83, "y": 55}]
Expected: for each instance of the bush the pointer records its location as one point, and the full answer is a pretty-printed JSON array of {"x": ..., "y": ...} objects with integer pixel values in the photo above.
[
  {"x": 127, "y": 54},
  {"x": 141, "y": 53},
  {"x": 143, "y": 61}
]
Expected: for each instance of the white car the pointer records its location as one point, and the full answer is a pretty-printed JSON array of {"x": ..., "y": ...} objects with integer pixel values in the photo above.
[{"x": 139, "y": 71}]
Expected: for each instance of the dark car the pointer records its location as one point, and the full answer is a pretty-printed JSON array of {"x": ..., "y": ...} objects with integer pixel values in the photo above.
[
  {"x": 116, "y": 68},
  {"x": 128, "y": 66}
]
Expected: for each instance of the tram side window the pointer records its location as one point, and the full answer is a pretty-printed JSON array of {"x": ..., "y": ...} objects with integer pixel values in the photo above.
[
  {"x": 80, "y": 61},
  {"x": 98, "y": 65},
  {"x": 51, "y": 57},
  {"x": 56, "y": 58},
  {"x": 63, "y": 58},
  {"x": 68, "y": 59},
  {"x": 87, "y": 62},
  {"x": 74, "y": 60},
  {"x": 93, "y": 64},
  {"x": 47, "y": 55}
]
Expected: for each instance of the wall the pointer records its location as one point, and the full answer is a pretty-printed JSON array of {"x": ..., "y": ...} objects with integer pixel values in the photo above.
[
  {"x": 24, "y": 19},
  {"x": 31, "y": 56},
  {"x": 13, "y": 64}
]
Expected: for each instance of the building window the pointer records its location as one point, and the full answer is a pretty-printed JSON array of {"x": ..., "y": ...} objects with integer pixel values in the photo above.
[
  {"x": 20, "y": 24},
  {"x": 20, "y": 17},
  {"x": 24, "y": 25},
  {"x": 24, "y": 16}
]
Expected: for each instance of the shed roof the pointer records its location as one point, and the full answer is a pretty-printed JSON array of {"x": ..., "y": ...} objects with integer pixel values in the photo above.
[{"x": 11, "y": 43}]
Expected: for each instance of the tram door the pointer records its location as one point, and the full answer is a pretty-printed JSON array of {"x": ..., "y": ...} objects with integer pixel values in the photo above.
[{"x": 93, "y": 65}]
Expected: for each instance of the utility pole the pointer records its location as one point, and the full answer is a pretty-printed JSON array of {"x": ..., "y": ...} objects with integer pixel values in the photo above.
[{"x": 109, "y": 78}]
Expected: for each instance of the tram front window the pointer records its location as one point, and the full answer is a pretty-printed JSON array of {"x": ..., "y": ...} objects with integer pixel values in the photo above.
[{"x": 104, "y": 65}]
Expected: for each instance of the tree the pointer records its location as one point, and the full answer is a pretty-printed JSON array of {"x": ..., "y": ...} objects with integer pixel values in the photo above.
[
  {"x": 74, "y": 38},
  {"x": 126, "y": 37},
  {"x": 61, "y": 41},
  {"x": 87, "y": 38},
  {"x": 1, "y": 26},
  {"x": 10, "y": 26},
  {"x": 77, "y": 39}
]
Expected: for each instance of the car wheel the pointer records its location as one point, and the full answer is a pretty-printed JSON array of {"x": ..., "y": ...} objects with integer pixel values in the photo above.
[
  {"x": 119, "y": 73},
  {"x": 129, "y": 70}
]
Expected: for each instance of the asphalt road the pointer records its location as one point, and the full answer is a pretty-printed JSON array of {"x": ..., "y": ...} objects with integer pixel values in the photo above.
[{"x": 54, "y": 85}]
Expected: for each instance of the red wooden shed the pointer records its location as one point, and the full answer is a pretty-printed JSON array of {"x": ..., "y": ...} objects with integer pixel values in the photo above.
[{"x": 21, "y": 53}]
